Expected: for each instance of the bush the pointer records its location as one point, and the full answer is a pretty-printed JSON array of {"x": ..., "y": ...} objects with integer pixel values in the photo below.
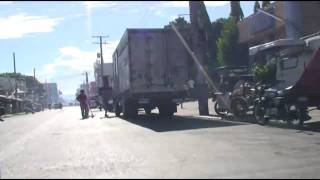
[{"x": 265, "y": 73}]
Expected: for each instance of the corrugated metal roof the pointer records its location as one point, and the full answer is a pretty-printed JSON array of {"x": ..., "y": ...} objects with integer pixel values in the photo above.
[{"x": 278, "y": 43}]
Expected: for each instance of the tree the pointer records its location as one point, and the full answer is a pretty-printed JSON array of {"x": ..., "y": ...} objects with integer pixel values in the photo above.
[
  {"x": 265, "y": 73},
  {"x": 236, "y": 10},
  {"x": 256, "y": 6},
  {"x": 229, "y": 51},
  {"x": 265, "y": 4},
  {"x": 179, "y": 23},
  {"x": 227, "y": 43},
  {"x": 217, "y": 27}
]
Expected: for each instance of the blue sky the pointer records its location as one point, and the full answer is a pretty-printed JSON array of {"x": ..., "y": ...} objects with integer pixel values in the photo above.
[{"x": 55, "y": 37}]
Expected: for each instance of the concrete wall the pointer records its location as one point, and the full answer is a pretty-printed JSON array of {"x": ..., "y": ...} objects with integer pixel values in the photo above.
[{"x": 310, "y": 12}]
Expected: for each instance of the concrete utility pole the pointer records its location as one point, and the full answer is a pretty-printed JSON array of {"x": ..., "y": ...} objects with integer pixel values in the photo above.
[
  {"x": 101, "y": 53},
  {"x": 15, "y": 75},
  {"x": 16, "y": 85},
  {"x": 87, "y": 83},
  {"x": 34, "y": 73},
  {"x": 199, "y": 51}
]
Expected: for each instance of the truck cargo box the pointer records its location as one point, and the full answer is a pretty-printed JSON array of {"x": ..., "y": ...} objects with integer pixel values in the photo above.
[{"x": 150, "y": 61}]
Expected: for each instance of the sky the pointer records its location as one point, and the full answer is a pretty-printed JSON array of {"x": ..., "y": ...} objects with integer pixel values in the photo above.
[{"x": 55, "y": 37}]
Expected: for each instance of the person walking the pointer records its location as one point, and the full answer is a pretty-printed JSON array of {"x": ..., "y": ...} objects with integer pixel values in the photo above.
[{"x": 83, "y": 100}]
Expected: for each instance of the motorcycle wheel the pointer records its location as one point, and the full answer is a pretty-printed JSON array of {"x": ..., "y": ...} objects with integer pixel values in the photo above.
[
  {"x": 301, "y": 117},
  {"x": 259, "y": 114},
  {"x": 220, "y": 112},
  {"x": 239, "y": 107}
]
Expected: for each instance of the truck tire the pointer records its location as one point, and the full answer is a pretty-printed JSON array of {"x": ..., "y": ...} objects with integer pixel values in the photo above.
[
  {"x": 166, "y": 110},
  {"x": 117, "y": 110},
  {"x": 130, "y": 109},
  {"x": 147, "y": 110}
]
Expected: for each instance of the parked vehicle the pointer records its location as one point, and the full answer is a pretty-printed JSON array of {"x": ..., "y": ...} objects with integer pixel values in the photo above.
[
  {"x": 234, "y": 95},
  {"x": 29, "y": 108},
  {"x": 2, "y": 110},
  {"x": 150, "y": 70},
  {"x": 294, "y": 90},
  {"x": 280, "y": 105}
]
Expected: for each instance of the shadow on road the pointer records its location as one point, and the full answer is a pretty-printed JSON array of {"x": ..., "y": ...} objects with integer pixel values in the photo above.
[
  {"x": 312, "y": 126},
  {"x": 177, "y": 123},
  {"x": 308, "y": 126}
]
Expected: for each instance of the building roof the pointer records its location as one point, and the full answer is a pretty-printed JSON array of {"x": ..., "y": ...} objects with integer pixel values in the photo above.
[{"x": 278, "y": 43}]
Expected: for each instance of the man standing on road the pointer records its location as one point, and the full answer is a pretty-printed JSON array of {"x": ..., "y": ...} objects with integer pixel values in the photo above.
[{"x": 82, "y": 98}]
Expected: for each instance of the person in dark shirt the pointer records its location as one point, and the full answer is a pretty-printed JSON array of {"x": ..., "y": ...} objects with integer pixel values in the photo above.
[{"x": 83, "y": 99}]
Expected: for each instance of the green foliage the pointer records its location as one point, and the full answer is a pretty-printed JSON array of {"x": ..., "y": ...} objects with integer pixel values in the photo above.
[
  {"x": 217, "y": 27},
  {"x": 236, "y": 10},
  {"x": 227, "y": 43},
  {"x": 256, "y": 6},
  {"x": 265, "y": 73},
  {"x": 265, "y": 4},
  {"x": 10, "y": 75},
  {"x": 179, "y": 23}
]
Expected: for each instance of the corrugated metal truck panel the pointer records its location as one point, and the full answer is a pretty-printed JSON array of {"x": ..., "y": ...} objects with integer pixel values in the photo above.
[{"x": 156, "y": 60}]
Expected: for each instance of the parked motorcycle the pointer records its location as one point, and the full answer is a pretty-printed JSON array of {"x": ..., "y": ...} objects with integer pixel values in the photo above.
[
  {"x": 237, "y": 102},
  {"x": 227, "y": 103},
  {"x": 279, "y": 105},
  {"x": 2, "y": 112}
]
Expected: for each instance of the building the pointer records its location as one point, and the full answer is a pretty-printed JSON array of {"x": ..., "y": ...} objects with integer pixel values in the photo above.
[
  {"x": 52, "y": 93},
  {"x": 301, "y": 18},
  {"x": 107, "y": 71},
  {"x": 93, "y": 91}
]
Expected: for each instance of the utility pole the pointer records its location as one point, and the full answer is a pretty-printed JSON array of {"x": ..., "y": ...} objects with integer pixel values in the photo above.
[
  {"x": 15, "y": 75},
  {"x": 15, "y": 81},
  {"x": 101, "y": 53},
  {"x": 34, "y": 73},
  {"x": 199, "y": 48},
  {"x": 87, "y": 83}
]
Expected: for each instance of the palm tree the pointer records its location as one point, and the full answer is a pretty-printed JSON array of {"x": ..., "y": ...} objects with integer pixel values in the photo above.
[
  {"x": 236, "y": 10},
  {"x": 265, "y": 4},
  {"x": 256, "y": 6}
]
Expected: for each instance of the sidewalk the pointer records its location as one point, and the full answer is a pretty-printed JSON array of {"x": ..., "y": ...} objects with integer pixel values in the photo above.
[{"x": 12, "y": 115}]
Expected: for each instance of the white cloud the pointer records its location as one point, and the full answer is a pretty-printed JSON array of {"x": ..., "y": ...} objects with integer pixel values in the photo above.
[
  {"x": 89, "y": 5},
  {"x": 76, "y": 60},
  {"x": 216, "y": 3},
  {"x": 98, "y": 4},
  {"x": 159, "y": 13},
  {"x": 5, "y": 2},
  {"x": 185, "y": 4},
  {"x": 173, "y": 17},
  {"x": 19, "y": 25}
]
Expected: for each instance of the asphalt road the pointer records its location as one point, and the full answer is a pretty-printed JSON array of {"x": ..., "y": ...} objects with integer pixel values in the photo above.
[{"x": 58, "y": 144}]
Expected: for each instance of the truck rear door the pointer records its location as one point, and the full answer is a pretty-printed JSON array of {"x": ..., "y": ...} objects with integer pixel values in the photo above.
[{"x": 148, "y": 59}]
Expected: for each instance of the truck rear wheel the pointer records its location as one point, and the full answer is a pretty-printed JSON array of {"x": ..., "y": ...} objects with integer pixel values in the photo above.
[
  {"x": 147, "y": 110},
  {"x": 167, "y": 110},
  {"x": 130, "y": 109},
  {"x": 117, "y": 110}
]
